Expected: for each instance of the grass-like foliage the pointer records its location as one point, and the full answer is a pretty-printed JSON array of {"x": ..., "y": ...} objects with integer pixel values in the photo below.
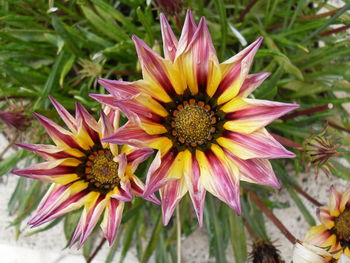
[{"x": 61, "y": 48}]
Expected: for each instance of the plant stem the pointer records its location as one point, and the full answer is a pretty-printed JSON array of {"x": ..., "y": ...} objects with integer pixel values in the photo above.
[
  {"x": 272, "y": 217},
  {"x": 336, "y": 30},
  {"x": 98, "y": 248},
  {"x": 308, "y": 111},
  {"x": 11, "y": 143},
  {"x": 334, "y": 125},
  {"x": 307, "y": 196},
  {"x": 246, "y": 10},
  {"x": 178, "y": 231},
  {"x": 286, "y": 142}
]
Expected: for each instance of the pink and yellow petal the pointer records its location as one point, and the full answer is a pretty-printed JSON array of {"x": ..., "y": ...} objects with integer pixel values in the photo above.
[
  {"x": 68, "y": 119},
  {"x": 248, "y": 115},
  {"x": 111, "y": 219},
  {"x": 169, "y": 40},
  {"x": 159, "y": 71},
  {"x": 195, "y": 187},
  {"x": 171, "y": 194},
  {"x": 251, "y": 83},
  {"x": 334, "y": 201},
  {"x": 345, "y": 200},
  {"x": 199, "y": 63},
  {"x": 187, "y": 33},
  {"x": 257, "y": 171},
  {"x": 325, "y": 218},
  {"x": 259, "y": 144},
  {"x": 317, "y": 235},
  {"x": 220, "y": 176},
  {"x": 234, "y": 72},
  {"x": 48, "y": 152},
  {"x": 131, "y": 134},
  {"x": 138, "y": 189}
]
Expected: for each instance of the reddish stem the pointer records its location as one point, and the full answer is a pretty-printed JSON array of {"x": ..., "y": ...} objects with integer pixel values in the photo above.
[
  {"x": 98, "y": 248},
  {"x": 307, "y": 196},
  {"x": 246, "y": 10},
  {"x": 334, "y": 125},
  {"x": 286, "y": 142},
  {"x": 333, "y": 31},
  {"x": 272, "y": 217},
  {"x": 307, "y": 111}
]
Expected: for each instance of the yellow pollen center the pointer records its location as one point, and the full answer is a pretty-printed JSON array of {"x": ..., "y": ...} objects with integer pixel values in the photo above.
[
  {"x": 342, "y": 225},
  {"x": 101, "y": 170},
  {"x": 193, "y": 123}
]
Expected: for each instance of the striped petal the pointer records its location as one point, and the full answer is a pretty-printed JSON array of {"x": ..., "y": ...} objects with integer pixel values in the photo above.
[
  {"x": 220, "y": 176},
  {"x": 248, "y": 115},
  {"x": 61, "y": 137},
  {"x": 325, "y": 218},
  {"x": 107, "y": 129},
  {"x": 162, "y": 170},
  {"x": 234, "y": 72},
  {"x": 89, "y": 218},
  {"x": 88, "y": 128},
  {"x": 119, "y": 88},
  {"x": 199, "y": 63},
  {"x": 187, "y": 33},
  {"x": 171, "y": 194},
  {"x": 62, "y": 171},
  {"x": 137, "y": 156},
  {"x": 138, "y": 189},
  {"x": 60, "y": 200},
  {"x": 317, "y": 235},
  {"x": 251, "y": 83},
  {"x": 48, "y": 152},
  {"x": 257, "y": 171},
  {"x": 132, "y": 135},
  {"x": 259, "y": 144},
  {"x": 345, "y": 200},
  {"x": 334, "y": 201},
  {"x": 54, "y": 198},
  {"x": 158, "y": 71},
  {"x": 195, "y": 187},
  {"x": 169, "y": 39},
  {"x": 111, "y": 219},
  {"x": 68, "y": 119}
]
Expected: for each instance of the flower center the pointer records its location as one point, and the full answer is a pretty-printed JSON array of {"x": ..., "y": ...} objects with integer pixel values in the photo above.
[
  {"x": 342, "y": 225},
  {"x": 101, "y": 172},
  {"x": 192, "y": 123}
]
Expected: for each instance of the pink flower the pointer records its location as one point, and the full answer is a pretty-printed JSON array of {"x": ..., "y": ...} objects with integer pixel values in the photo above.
[{"x": 196, "y": 113}]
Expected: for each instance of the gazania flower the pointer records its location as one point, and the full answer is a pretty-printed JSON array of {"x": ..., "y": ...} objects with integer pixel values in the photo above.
[
  {"x": 85, "y": 172},
  {"x": 195, "y": 111},
  {"x": 307, "y": 253},
  {"x": 334, "y": 232}
]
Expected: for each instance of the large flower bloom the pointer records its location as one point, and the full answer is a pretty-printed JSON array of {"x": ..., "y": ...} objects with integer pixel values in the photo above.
[
  {"x": 334, "y": 232},
  {"x": 195, "y": 111},
  {"x": 85, "y": 172}
]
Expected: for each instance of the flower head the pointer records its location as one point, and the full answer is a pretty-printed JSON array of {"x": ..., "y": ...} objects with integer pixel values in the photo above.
[
  {"x": 334, "y": 232},
  {"x": 195, "y": 111},
  {"x": 265, "y": 252},
  {"x": 307, "y": 253},
  {"x": 319, "y": 148},
  {"x": 15, "y": 119},
  {"x": 85, "y": 172}
]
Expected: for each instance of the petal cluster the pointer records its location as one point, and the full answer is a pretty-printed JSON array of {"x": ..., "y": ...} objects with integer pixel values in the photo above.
[
  {"x": 237, "y": 146},
  {"x": 76, "y": 180},
  {"x": 333, "y": 234}
]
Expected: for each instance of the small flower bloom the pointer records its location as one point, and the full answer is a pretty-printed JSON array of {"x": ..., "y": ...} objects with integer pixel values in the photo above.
[
  {"x": 85, "y": 172},
  {"x": 307, "y": 253},
  {"x": 334, "y": 232},
  {"x": 170, "y": 7},
  {"x": 265, "y": 252},
  {"x": 14, "y": 119},
  {"x": 195, "y": 111},
  {"x": 318, "y": 149}
]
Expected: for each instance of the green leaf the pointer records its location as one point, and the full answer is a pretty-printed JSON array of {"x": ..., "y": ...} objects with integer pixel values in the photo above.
[
  {"x": 151, "y": 246},
  {"x": 146, "y": 24},
  {"x": 238, "y": 238}
]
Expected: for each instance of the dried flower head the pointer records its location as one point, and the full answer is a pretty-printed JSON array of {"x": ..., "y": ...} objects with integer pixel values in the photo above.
[
  {"x": 319, "y": 148},
  {"x": 265, "y": 252},
  {"x": 170, "y": 7},
  {"x": 15, "y": 119}
]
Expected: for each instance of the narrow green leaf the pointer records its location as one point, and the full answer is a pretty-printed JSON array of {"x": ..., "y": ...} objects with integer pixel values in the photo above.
[
  {"x": 305, "y": 212},
  {"x": 151, "y": 246},
  {"x": 220, "y": 7},
  {"x": 128, "y": 234},
  {"x": 143, "y": 20},
  {"x": 238, "y": 238}
]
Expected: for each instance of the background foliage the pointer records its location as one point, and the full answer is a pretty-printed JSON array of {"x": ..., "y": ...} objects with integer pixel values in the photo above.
[{"x": 61, "y": 48}]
